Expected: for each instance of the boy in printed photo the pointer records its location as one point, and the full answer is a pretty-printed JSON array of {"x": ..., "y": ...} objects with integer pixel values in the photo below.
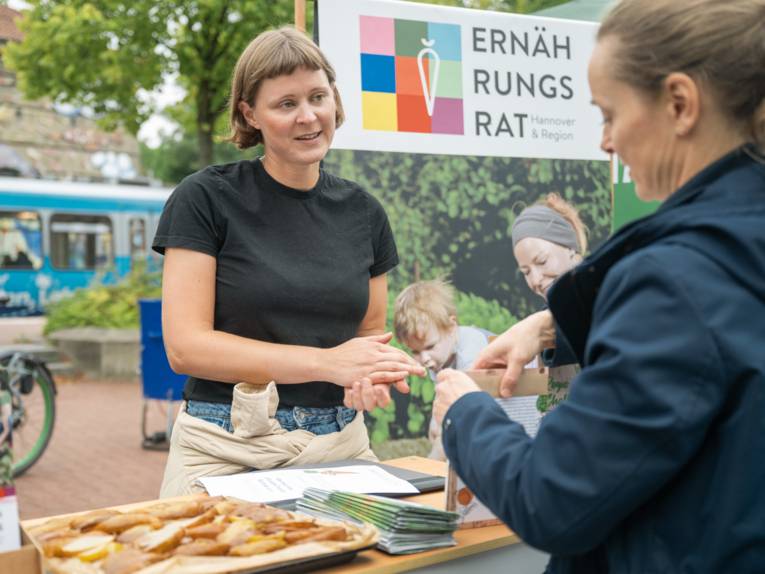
[{"x": 425, "y": 321}]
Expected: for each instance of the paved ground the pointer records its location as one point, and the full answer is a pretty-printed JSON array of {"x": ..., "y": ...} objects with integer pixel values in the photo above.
[
  {"x": 21, "y": 329},
  {"x": 95, "y": 457}
]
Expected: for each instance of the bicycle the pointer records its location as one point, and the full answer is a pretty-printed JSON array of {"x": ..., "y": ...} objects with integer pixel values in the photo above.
[{"x": 33, "y": 405}]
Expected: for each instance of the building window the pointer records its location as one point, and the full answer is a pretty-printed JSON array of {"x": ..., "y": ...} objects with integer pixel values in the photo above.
[
  {"x": 81, "y": 242},
  {"x": 20, "y": 240},
  {"x": 137, "y": 230}
]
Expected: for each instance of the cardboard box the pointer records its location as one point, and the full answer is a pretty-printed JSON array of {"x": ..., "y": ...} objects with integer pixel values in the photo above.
[
  {"x": 533, "y": 381},
  {"x": 25, "y": 560},
  {"x": 460, "y": 499}
]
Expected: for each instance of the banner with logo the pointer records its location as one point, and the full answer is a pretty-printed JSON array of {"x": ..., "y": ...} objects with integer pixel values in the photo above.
[
  {"x": 417, "y": 77},
  {"x": 456, "y": 120}
]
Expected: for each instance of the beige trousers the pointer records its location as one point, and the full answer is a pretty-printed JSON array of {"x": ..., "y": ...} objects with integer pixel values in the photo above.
[{"x": 199, "y": 448}]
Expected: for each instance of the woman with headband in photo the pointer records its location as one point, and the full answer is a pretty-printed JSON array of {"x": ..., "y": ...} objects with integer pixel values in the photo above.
[{"x": 549, "y": 238}]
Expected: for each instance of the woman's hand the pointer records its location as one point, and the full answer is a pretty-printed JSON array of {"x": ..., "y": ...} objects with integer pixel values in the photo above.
[
  {"x": 365, "y": 396},
  {"x": 368, "y": 358},
  {"x": 451, "y": 386},
  {"x": 516, "y": 347}
]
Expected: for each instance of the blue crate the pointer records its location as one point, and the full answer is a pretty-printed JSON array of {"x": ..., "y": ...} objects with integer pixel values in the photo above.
[{"x": 159, "y": 380}]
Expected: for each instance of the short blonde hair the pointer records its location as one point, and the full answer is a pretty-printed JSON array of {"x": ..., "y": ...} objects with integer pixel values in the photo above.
[
  {"x": 422, "y": 305},
  {"x": 571, "y": 215},
  {"x": 718, "y": 43},
  {"x": 273, "y": 53}
]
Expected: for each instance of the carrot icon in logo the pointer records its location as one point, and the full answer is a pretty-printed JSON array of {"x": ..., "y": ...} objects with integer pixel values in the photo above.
[{"x": 429, "y": 90}]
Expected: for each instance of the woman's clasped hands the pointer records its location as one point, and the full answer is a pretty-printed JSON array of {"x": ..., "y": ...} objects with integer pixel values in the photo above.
[{"x": 367, "y": 367}]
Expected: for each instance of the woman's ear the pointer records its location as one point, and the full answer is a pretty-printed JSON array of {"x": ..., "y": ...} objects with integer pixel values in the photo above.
[
  {"x": 683, "y": 102},
  {"x": 246, "y": 111}
]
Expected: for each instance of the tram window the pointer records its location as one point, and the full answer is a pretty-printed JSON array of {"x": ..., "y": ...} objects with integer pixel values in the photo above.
[
  {"x": 137, "y": 230},
  {"x": 80, "y": 241},
  {"x": 20, "y": 240}
]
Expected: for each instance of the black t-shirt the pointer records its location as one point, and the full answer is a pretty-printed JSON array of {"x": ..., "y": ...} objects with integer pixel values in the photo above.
[{"x": 293, "y": 266}]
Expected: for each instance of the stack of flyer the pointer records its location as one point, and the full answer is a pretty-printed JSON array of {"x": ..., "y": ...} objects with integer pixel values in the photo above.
[{"x": 405, "y": 527}]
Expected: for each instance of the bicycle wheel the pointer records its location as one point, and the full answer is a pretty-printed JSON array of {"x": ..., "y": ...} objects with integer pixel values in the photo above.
[{"x": 34, "y": 414}]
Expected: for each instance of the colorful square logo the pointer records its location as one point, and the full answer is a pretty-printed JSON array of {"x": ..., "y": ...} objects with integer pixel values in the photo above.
[{"x": 411, "y": 76}]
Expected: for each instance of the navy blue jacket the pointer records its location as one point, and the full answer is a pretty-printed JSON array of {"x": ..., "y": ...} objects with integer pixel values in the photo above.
[{"x": 656, "y": 462}]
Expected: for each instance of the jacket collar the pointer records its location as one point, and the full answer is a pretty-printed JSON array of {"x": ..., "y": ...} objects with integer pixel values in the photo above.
[{"x": 572, "y": 298}]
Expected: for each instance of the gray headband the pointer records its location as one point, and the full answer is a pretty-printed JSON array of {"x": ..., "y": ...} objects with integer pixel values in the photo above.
[{"x": 544, "y": 223}]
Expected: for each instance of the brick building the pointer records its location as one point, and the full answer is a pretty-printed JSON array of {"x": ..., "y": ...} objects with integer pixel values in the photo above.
[{"x": 38, "y": 139}]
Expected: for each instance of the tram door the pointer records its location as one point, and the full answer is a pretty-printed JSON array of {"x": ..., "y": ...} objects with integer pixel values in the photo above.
[{"x": 137, "y": 238}]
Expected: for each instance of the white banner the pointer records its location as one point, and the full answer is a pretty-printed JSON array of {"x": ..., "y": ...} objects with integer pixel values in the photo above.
[{"x": 431, "y": 79}]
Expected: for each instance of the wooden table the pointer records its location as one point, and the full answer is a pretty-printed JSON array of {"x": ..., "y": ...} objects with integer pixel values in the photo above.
[
  {"x": 470, "y": 542},
  {"x": 478, "y": 543}
]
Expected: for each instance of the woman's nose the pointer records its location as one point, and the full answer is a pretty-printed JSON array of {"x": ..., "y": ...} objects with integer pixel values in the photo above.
[
  {"x": 306, "y": 114},
  {"x": 535, "y": 279}
]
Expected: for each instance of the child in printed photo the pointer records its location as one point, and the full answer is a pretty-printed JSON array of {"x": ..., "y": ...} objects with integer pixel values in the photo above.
[{"x": 425, "y": 321}]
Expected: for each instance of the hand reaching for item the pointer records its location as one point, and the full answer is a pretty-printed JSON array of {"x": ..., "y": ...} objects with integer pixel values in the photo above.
[
  {"x": 452, "y": 385},
  {"x": 516, "y": 347}
]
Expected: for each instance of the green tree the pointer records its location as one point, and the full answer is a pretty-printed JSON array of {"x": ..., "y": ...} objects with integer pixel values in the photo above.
[
  {"x": 105, "y": 54},
  {"x": 177, "y": 156}
]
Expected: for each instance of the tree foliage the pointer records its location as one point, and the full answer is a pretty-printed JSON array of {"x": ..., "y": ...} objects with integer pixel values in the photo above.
[
  {"x": 105, "y": 54},
  {"x": 177, "y": 156}
]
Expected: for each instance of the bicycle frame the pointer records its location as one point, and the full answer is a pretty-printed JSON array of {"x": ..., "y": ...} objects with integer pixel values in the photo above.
[
  {"x": 22, "y": 365},
  {"x": 19, "y": 373}
]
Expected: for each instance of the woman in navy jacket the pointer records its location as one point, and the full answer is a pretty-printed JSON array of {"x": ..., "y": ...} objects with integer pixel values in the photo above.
[{"x": 656, "y": 462}]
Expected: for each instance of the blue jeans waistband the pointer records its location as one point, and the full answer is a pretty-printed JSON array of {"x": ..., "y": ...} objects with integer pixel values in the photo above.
[{"x": 318, "y": 420}]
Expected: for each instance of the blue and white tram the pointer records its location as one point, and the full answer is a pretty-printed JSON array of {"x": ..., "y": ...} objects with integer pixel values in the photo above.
[{"x": 56, "y": 236}]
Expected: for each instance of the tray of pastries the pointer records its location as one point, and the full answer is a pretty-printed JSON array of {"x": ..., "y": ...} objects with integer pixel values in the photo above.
[{"x": 202, "y": 535}]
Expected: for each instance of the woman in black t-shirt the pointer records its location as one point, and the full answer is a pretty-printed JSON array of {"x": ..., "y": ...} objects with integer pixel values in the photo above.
[{"x": 275, "y": 278}]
